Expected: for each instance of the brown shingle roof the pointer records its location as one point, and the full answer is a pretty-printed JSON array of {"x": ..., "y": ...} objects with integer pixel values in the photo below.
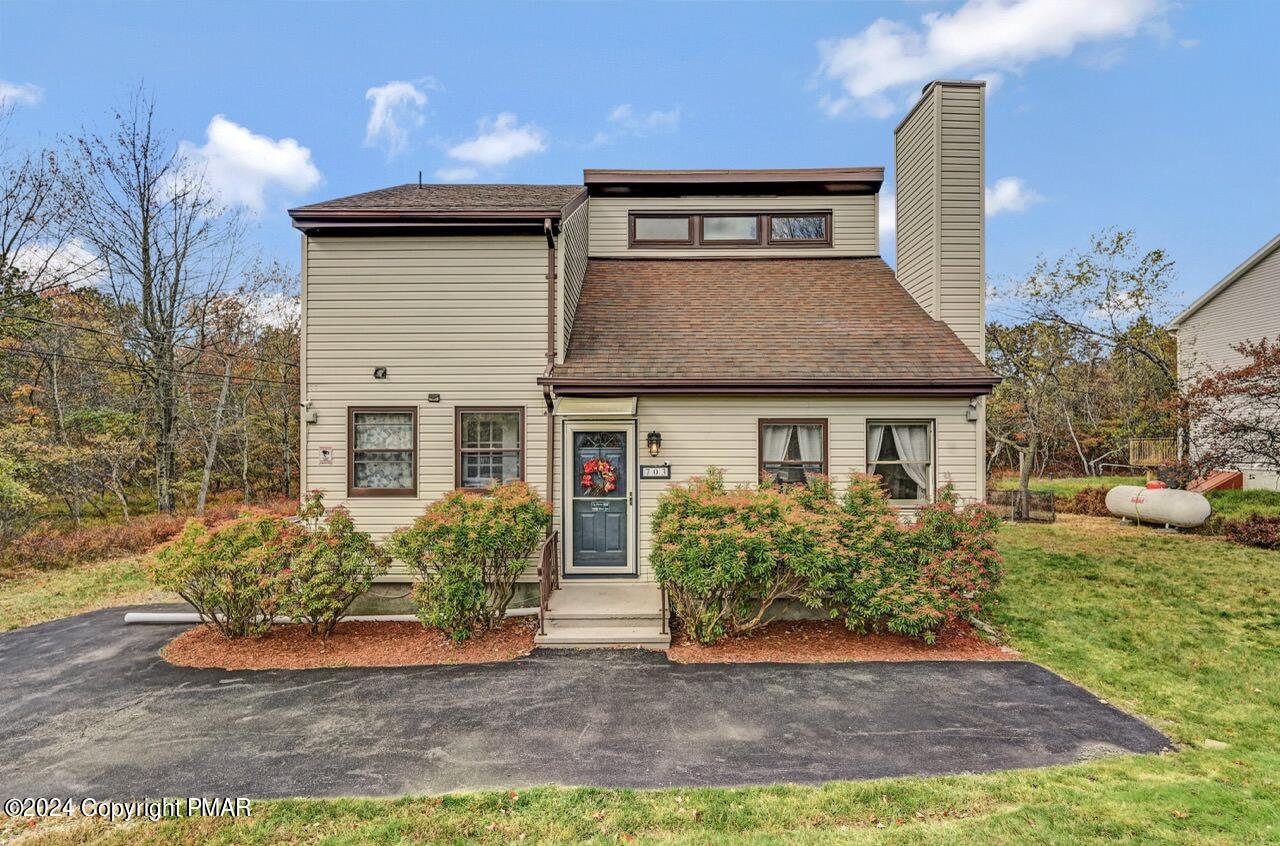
[
  {"x": 466, "y": 197},
  {"x": 842, "y": 323}
]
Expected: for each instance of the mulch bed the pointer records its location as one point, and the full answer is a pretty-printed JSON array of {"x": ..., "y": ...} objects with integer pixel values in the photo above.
[
  {"x": 818, "y": 641},
  {"x": 352, "y": 644}
]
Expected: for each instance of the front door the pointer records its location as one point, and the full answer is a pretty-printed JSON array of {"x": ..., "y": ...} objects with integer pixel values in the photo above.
[{"x": 601, "y": 498}]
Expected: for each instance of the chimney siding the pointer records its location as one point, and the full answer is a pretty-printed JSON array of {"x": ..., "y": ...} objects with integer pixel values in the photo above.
[{"x": 938, "y": 173}]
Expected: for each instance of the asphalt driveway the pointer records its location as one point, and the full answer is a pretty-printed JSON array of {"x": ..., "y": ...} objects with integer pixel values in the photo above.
[{"x": 88, "y": 708}]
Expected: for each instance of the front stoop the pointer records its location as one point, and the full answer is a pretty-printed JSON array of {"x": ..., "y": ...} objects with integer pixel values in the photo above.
[{"x": 599, "y": 615}]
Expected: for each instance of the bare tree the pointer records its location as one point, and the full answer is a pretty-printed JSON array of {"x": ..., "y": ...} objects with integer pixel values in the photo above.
[
  {"x": 167, "y": 247},
  {"x": 36, "y": 251}
]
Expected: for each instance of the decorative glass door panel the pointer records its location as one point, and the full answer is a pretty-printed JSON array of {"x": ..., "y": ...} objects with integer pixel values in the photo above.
[{"x": 601, "y": 498}]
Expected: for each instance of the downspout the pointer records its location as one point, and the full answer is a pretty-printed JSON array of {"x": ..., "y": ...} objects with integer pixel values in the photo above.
[{"x": 551, "y": 360}]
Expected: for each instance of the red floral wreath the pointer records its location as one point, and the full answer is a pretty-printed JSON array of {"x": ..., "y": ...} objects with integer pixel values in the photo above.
[{"x": 608, "y": 475}]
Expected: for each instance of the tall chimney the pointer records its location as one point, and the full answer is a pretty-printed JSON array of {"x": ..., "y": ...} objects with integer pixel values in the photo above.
[{"x": 938, "y": 172}]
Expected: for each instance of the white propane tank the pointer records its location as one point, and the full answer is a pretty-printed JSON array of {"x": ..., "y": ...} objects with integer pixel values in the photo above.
[{"x": 1158, "y": 504}]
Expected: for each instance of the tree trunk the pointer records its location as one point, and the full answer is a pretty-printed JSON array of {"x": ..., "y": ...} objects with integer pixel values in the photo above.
[
  {"x": 286, "y": 453},
  {"x": 212, "y": 451},
  {"x": 1022, "y": 508},
  {"x": 118, "y": 489},
  {"x": 244, "y": 449}
]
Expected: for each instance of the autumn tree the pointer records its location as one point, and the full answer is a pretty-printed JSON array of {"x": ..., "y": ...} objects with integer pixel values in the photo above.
[{"x": 167, "y": 248}]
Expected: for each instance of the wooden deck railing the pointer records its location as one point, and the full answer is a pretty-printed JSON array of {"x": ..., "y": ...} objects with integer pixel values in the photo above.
[
  {"x": 1152, "y": 452},
  {"x": 548, "y": 576}
]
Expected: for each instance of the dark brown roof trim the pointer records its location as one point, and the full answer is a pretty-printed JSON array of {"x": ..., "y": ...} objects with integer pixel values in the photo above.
[
  {"x": 319, "y": 218},
  {"x": 906, "y": 387},
  {"x": 784, "y": 181},
  {"x": 600, "y": 176},
  {"x": 374, "y": 229},
  {"x": 572, "y": 206}
]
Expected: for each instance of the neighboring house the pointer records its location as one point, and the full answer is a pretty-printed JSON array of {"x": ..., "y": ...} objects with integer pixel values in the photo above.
[
  {"x": 1243, "y": 306},
  {"x": 660, "y": 321}
]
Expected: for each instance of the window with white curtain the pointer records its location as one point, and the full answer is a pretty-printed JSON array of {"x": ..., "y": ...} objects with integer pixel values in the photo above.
[
  {"x": 490, "y": 446},
  {"x": 382, "y": 446},
  {"x": 791, "y": 450},
  {"x": 901, "y": 454}
]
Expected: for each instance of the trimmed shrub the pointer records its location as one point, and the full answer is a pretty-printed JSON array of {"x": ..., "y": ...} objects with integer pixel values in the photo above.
[
  {"x": 468, "y": 548},
  {"x": 329, "y": 564},
  {"x": 726, "y": 556},
  {"x": 954, "y": 566},
  {"x": 232, "y": 576},
  {"x": 1254, "y": 530}
]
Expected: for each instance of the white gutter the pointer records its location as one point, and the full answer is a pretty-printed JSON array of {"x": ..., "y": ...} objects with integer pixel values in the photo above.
[{"x": 191, "y": 617}]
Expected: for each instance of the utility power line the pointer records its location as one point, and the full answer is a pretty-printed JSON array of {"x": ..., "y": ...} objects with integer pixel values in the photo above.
[
  {"x": 278, "y": 361},
  {"x": 136, "y": 368}
]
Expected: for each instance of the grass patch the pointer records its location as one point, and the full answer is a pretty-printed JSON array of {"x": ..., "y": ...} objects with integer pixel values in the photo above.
[
  {"x": 1234, "y": 505},
  {"x": 1067, "y": 485},
  {"x": 36, "y": 597},
  {"x": 1182, "y": 630}
]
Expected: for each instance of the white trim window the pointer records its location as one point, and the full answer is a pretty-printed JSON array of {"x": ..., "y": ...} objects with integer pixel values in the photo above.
[{"x": 900, "y": 452}]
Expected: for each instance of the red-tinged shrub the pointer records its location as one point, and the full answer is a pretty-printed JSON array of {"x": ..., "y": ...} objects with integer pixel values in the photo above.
[
  {"x": 468, "y": 549},
  {"x": 1254, "y": 530},
  {"x": 50, "y": 549},
  {"x": 231, "y": 575},
  {"x": 1090, "y": 501},
  {"x": 725, "y": 556},
  {"x": 329, "y": 565}
]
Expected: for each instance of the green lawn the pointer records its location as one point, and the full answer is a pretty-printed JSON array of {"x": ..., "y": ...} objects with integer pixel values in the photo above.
[
  {"x": 1067, "y": 485},
  {"x": 1182, "y": 630},
  {"x": 1232, "y": 505},
  {"x": 39, "y": 596}
]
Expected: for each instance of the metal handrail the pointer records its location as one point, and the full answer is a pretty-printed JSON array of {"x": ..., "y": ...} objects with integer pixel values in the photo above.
[{"x": 548, "y": 576}]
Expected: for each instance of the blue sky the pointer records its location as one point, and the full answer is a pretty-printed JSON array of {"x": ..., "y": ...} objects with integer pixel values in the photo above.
[{"x": 1157, "y": 116}]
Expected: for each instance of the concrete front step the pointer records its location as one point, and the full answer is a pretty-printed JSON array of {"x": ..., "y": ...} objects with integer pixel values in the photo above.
[
  {"x": 587, "y": 615},
  {"x": 599, "y": 637}
]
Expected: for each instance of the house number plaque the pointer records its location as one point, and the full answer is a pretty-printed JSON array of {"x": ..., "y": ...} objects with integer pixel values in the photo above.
[{"x": 655, "y": 471}]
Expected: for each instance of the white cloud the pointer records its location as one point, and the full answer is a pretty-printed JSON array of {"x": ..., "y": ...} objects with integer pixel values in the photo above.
[
  {"x": 457, "y": 174},
  {"x": 625, "y": 121},
  {"x": 880, "y": 68},
  {"x": 1010, "y": 194},
  {"x": 19, "y": 94},
  {"x": 275, "y": 310},
  {"x": 888, "y": 218},
  {"x": 69, "y": 263},
  {"x": 500, "y": 141},
  {"x": 396, "y": 110},
  {"x": 655, "y": 121},
  {"x": 241, "y": 165}
]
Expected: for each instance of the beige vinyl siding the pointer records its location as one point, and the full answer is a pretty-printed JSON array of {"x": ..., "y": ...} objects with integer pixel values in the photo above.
[
  {"x": 853, "y": 224},
  {"x": 916, "y": 196},
  {"x": 721, "y": 431},
  {"x": 1246, "y": 310},
  {"x": 938, "y": 154},
  {"x": 960, "y": 238},
  {"x": 462, "y": 316},
  {"x": 572, "y": 270}
]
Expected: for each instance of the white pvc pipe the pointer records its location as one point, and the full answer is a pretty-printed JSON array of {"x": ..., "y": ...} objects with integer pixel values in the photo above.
[{"x": 190, "y": 617}]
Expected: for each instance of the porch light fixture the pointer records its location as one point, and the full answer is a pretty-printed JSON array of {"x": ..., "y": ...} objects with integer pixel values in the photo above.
[{"x": 654, "y": 440}]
